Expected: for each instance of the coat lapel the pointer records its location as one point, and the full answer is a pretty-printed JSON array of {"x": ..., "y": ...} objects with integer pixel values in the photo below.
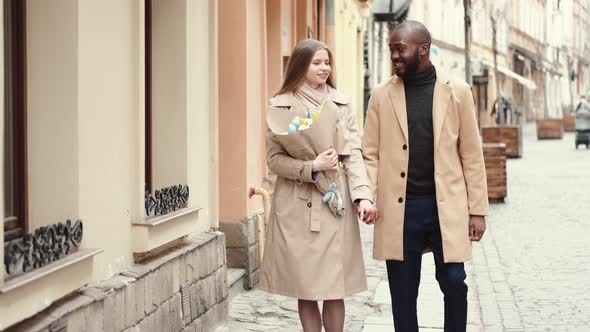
[
  {"x": 338, "y": 98},
  {"x": 397, "y": 95},
  {"x": 440, "y": 104}
]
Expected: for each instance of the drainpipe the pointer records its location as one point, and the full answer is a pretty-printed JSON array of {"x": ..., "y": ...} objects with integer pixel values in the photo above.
[
  {"x": 543, "y": 54},
  {"x": 264, "y": 226},
  {"x": 499, "y": 101},
  {"x": 467, "y": 27},
  {"x": 330, "y": 19},
  {"x": 570, "y": 63}
]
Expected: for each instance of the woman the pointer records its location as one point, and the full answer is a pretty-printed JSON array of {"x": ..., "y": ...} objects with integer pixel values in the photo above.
[{"x": 323, "y": 263}]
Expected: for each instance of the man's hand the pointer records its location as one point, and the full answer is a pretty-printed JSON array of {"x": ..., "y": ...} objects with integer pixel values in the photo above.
[
  {"x": 367, "y": 212},
  {"x": 477, "y": 226}
]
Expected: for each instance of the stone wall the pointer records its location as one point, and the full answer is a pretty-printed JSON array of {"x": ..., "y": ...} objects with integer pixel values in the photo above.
[
  {"x": 148, "y": 297},
  {"x": 242, "y": 247}
]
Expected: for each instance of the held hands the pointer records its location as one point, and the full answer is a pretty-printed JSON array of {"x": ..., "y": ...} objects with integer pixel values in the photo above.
[
  {"x": 326, "y": 161},
  {"x": 477, "y": 226},
  {"x": 367, "y": 212}
]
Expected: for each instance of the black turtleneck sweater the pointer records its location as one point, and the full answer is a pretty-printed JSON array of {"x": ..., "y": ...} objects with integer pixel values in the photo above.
[{"x": 419, "y": 93}]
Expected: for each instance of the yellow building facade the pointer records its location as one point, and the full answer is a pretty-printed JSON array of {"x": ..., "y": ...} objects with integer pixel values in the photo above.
[{"x": 348, "y": 45}]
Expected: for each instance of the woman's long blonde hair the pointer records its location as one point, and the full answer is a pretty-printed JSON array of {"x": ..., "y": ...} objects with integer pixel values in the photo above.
[{"x": 299, "y": 63}]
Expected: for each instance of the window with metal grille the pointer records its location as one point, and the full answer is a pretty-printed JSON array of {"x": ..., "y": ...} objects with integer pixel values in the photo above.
[{"x": 15, "y": 224}]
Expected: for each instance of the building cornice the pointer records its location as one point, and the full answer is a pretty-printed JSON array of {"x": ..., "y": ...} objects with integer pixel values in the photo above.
[{"x": 447, "y": 46}]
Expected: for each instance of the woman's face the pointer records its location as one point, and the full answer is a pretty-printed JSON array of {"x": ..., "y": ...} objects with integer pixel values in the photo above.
[{"x": 319, "y": 69}]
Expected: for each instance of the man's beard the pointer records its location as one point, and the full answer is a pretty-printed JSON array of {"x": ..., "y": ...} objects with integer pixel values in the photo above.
[{"x": 411, "y": 67}]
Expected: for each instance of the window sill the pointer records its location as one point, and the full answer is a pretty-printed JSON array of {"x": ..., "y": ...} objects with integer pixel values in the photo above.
[
  {"x": 31, "y": 276},
  {"x": 159, "y": 220},
  {"x": 156, "y": 232},
  {"x": 25, "y": 295}
]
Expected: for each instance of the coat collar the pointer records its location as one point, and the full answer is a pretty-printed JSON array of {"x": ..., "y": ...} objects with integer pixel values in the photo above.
[
  {"x": 287, "y": 99},
  {"x": 440, "y": 102}
]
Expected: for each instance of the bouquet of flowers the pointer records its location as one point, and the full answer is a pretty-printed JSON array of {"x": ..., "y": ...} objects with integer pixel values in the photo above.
[{"x": 305, "y": 137}]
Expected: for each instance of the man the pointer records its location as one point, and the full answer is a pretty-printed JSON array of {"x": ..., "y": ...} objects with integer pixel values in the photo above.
[
  {"x": 425, "y": 162},
  {"x": 501, "y": 105}
]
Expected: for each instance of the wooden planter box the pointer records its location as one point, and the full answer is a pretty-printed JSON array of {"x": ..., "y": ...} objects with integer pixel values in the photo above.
[
  {"x": 569, "y": 122},
  {"x": 495, "y": 160},
  {"x": 550, "y": 129},
  {"x": 509, "y": 135}
]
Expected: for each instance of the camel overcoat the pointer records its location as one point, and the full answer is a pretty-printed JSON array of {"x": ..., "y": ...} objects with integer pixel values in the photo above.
[
  {"x": 310, "y": 253},
  {"x": 460, "y": 178}
]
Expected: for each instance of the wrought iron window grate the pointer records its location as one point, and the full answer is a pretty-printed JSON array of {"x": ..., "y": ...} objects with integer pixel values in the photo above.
[
  {"x": 166, "y": 200},
  {"x": 44, "y": 245}
]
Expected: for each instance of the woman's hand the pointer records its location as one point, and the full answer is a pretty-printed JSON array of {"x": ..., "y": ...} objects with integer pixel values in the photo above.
[
  {"x": 367, "y": 212},
  {"x": 326, "y": 161}
]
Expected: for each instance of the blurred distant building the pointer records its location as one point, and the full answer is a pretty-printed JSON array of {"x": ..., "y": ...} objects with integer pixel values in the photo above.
[{"x": 542, "y": 49}]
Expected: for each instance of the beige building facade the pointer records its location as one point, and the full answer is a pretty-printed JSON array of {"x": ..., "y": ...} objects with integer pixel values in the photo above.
[
  {"x": 487, "y": 17},
  {"x": 448, "y": 39},
  {"x": 526, "y": 55},
  {"x": 103, "y": 101},
  {"x": 144, "y": 120},
  {"x": 580, "y": 47},
  {"x": 559, "y": 87},
  {"x": 445, "y": 20},
  {"x": 541, "y": 49}
]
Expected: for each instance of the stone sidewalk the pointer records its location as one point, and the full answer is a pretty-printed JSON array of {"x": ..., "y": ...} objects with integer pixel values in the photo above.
[
  {"x": 529, "y": 273},
  {"x": 533, "y": 269},
  {"x": 369, "y": 311}
]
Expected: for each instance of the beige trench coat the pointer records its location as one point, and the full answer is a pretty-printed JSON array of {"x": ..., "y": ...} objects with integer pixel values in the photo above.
[
  {"x": 299, "y": 262},
  {"x": 460, "y": 179}
]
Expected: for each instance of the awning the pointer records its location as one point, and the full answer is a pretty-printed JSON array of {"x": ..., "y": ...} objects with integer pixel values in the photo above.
[
  {"x": 390, "y": 10},
  {"x": 520, "y": 79}
]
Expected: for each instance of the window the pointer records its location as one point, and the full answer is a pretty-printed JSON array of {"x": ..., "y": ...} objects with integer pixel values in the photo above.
[
  {"x": 165, "y": 107},
  {"x": 148, "y": 96},
  {"x": 318, "y": 16},
  {"x": 14, "y": 119}
]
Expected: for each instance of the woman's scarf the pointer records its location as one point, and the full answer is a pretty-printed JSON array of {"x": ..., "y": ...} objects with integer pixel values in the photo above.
[{"x": 311, "y": 98}]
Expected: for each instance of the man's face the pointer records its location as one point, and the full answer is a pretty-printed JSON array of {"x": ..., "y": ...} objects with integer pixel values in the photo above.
[{"x": 405, "y": 52}]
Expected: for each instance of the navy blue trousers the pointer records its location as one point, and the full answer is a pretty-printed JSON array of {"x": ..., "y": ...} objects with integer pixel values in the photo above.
[{"x": 421, "y": 230}]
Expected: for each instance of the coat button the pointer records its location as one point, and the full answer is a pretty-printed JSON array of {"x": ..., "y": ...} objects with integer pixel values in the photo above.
[
  {"x": 400, "y": 200},
  {"x": 309, "y": 204},
  {"x": 403, "y": 175},
  {"x": 405, "y": 147}
]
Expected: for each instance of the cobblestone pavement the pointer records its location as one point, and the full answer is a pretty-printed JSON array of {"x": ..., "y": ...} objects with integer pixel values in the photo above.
[
  {"x": 533, "y": 269},
  {"x": 531, "y": 272}
]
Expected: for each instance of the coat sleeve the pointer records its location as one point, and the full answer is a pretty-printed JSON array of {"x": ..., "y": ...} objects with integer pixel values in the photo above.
[
  {"x": 356, "y": 172},
  {"x": 285, "y": 166},
  {"x": 370, "y": 142},
  {"x": 471, "y": 154}
]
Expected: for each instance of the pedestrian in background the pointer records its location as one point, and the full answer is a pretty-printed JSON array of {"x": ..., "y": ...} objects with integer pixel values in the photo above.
[
  {"x": 425, "y": 162},
  {"x": 301, "y": 261},
  {"x": 502, "y": 111}
]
